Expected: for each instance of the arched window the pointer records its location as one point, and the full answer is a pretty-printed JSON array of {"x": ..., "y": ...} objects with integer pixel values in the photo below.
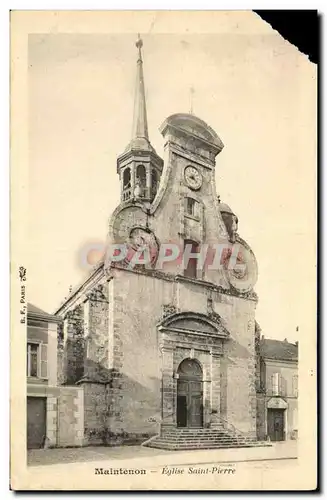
[
  {"x": 190, "y": 369},
  {"x": 190, "y": 263},
  {"x": 140, "y": 175},
  {"x": 126, "y": 184},
  {"x": 127, "y": 178}
]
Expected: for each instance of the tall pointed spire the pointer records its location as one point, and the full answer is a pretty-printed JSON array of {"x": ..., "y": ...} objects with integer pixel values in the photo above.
[
  {"x": 139, "y": 166},
  {"x": 140, "y": 121}
]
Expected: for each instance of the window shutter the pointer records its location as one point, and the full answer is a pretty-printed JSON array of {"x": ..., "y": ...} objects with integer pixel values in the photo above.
[
  {"x": 275, "y": 387},
  {"x": 283, "y": 389},
  {"x": 271, "y": 384},
  {"x": 43, "y": 361}
]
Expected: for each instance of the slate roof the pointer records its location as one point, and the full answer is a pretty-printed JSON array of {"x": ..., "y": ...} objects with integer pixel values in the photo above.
[
  {"x": 278, "y": 349},
  {"x": 36, "y": 312}
]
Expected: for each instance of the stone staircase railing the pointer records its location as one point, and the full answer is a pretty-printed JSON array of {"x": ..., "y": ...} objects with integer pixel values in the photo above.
[{"x": 229, "y": 427}]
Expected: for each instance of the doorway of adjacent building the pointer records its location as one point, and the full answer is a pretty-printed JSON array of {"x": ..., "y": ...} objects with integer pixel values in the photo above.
[
  {"x": 36, "y": 422},
  {"x": 189, "y": 394},
  {"x": 275, "y": 424}
]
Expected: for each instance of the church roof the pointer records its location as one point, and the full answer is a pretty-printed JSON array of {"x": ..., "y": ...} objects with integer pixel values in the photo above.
[
  {"x": 278, "y": 349},
  {"x": 193, "y": 126}
]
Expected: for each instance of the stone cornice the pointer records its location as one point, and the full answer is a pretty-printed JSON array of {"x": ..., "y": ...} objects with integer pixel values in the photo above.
[
  {"x": 154, "y": 273},
  {"x": 272, "y": 361},
  {"x": 139, "y": 155},
  {"x": 170, "y": 329},
  {"x": 193, "y": 157}
]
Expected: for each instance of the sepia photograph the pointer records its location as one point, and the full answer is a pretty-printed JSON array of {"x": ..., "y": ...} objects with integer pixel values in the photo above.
[{"x": 163, "y": 266}]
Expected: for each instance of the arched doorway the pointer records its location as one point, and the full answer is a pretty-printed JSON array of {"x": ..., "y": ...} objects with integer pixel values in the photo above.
[{"x": 189, "y": 394}]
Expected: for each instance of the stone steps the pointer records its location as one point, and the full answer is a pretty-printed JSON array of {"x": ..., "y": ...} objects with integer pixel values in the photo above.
[{"x": 195, "y": 439}]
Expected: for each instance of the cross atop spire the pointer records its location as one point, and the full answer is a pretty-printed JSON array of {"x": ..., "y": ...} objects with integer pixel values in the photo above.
[
  {"x": 139, "y": 45},
  {"x": 192, "y": 91},
  {"x": 140, "y": 121}
]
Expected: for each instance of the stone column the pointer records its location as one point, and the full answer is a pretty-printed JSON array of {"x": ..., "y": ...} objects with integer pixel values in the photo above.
[
  {"x": 79, "y": 417},
  {"x": 74, "y": 345},
  {"x": 148, "y": 182},
  {"x": 215, "y": 388},
  {"x": 206, "y": 366},
  {"x": 168, "y": 388},
  {"x": 121, "y": 184},
  {"x": 133, "y": 174},
  {"x": 86, "y": 315},
  {"x": 52, "y": 423}
]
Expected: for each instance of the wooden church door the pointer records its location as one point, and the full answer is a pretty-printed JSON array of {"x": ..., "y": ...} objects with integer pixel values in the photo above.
[{"x": 189, "y": 395}]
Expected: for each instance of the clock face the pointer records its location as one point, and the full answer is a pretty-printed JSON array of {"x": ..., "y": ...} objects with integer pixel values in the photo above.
[
  {"x": 124, "y": 221},
  {"x": 243, "y": 273},
  {"x": 142, "y": 238},
  {"x": 193, "y": 177}
]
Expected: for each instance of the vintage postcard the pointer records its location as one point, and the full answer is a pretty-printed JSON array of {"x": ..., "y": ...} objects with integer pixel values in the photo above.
[{"x": 163, "y": 256}]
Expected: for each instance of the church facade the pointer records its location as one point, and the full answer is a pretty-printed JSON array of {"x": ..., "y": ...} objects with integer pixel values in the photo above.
[{"x": 166, "y": 348}]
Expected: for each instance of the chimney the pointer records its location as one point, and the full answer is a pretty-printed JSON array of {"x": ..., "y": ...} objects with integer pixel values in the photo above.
[{"x": 285, "y": 340}]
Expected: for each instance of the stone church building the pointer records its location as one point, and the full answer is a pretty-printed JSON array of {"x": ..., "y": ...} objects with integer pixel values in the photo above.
[{"x": 166, "y": 354}]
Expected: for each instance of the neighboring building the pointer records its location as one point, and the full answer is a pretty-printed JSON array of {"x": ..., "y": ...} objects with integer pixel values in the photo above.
[
  {"x": 51, "y": 411},
  {"x": 278, "y": 391},
  {"x": 161, "y": 350}
]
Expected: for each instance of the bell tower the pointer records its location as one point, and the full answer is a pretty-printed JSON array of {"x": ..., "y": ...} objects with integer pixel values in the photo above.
[{"x": 139, "y": 167}]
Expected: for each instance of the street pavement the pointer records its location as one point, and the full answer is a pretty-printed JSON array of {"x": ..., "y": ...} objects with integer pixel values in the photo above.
[{"x": 151, "y": 456}]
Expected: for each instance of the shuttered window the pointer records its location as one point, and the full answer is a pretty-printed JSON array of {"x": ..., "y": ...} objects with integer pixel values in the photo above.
[
  {"x": 37, "y": 360},
  {"x": 32, "y": 360}
]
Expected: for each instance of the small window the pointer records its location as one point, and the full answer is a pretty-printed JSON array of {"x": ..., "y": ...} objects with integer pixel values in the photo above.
[
  {"x": 37, "y": 360},
  {"x": 192, "y": 207},
  {"x": 32, "y": 360},
  {"x": 295, "y": 386},
  {"x": 141, "y": 175},
  {"x": 127, "y": 178}
]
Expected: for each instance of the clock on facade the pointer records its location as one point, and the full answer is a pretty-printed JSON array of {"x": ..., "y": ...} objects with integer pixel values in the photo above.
[
  {"x": 140, "y": 238},
  {"x": 193, "y": 177},
  {"x": 244, "y": 274}
]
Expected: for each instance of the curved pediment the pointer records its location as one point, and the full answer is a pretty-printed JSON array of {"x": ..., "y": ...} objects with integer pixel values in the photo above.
[
  {"x": 193, "y": 125},
  {"x": 194, "y": 323}
]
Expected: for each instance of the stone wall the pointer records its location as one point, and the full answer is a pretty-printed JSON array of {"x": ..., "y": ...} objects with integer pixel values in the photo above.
[
  {"x": 134, "y": 351},
  {"x": 95, "y": 412},
  {"x": 261, "y": 417},
  {"x": 96, "y": 317},
  {"x": 65, "y": 414},
  {"x": 124, "y": 366},
  {"x": 287, "y": 370},
  {"x": 70, "y": 417},
  {"x": 292, "y": 419},
  {"x": 238, "y": 369}
]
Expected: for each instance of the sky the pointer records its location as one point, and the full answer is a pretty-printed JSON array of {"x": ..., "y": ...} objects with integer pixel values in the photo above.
[{"x": 256, "y": 90}]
